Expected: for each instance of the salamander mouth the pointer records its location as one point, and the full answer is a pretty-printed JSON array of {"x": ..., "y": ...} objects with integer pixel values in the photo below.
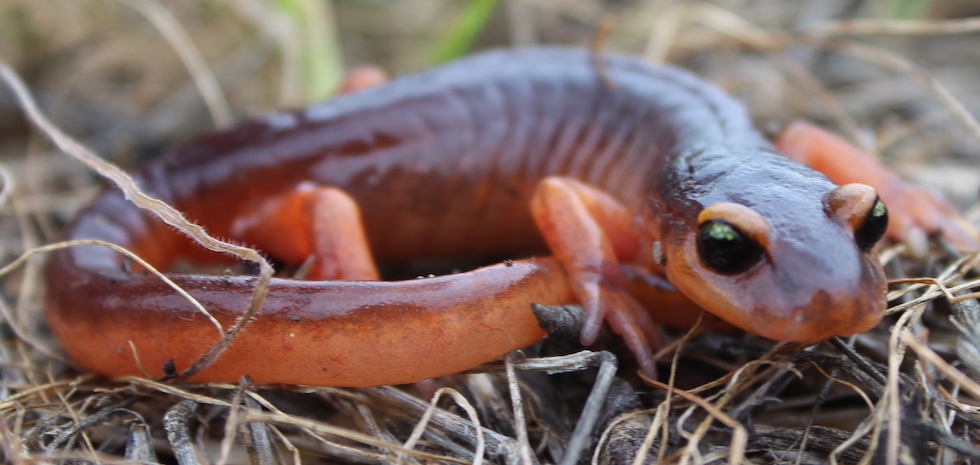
[
  {"x": 786, "y": 300},
  {"x": 827, "y": 315}
]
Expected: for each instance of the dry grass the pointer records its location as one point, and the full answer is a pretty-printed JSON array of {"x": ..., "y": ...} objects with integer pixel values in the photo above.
[{"x": 129, "y": 77}]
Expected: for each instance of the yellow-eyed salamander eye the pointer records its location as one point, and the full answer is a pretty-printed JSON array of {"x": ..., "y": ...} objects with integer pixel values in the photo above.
[
  {"x": 873, "y": 227},
  {"x": 726, "y": 249}
]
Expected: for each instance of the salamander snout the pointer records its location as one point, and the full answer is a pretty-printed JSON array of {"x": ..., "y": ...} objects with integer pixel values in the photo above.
[{"x": 803, "y": 277}]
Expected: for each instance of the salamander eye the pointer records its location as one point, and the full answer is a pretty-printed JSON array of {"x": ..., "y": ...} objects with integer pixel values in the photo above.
[
  {"x": 873, "y": 227},
  {"x": 859, "y": 208},
  {"x": 726, "y": 249}
]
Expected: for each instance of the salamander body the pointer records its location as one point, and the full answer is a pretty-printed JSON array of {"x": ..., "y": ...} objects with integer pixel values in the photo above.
[{"x": 451, "y": 162}]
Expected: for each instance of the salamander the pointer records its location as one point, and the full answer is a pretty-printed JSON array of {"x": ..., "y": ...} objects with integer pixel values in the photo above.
[{"x": 589, "y": 162}]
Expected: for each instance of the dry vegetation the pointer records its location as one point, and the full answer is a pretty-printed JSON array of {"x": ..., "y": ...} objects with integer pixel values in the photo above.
[{"x": 129, "y": 77}]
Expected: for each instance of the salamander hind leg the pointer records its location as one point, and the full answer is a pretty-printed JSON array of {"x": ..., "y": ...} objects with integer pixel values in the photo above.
[
  {"x": 311, "y": 221},
  {"x": 590, "y": 233},
  {"x": 913, "y": 210},
  {"x": 362, "y": 77}
]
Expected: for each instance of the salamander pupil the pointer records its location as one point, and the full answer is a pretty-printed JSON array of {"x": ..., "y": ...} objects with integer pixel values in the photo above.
[
  {"x": 726, "y": 249},
  {"x": 873, "y": 227}
]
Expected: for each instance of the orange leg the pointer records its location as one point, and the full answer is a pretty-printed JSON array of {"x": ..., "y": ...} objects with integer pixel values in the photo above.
[
  {"x": 362, "y": 77},
  {"x": 590, "y": 233},
  {"x": 312, "y": 221},
  {"x": 913, "y": 210},
  {"x": 317, "y": 221}
]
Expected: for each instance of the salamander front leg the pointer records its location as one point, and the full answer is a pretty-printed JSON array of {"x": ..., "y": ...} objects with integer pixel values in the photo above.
[
  {"x": 312, "y": 221},
  {"x": 913, "y": 210},
  {"x": 590, "y": 233}
]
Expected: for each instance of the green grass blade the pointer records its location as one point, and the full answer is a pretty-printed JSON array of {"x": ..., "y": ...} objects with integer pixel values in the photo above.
[{"x": 466, "y": 28}]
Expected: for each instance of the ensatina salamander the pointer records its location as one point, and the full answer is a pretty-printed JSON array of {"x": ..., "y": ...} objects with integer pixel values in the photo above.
[{"x": 600, "y": 159}]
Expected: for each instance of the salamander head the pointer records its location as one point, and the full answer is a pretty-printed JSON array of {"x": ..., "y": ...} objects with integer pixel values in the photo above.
[{"x": 784, "y": 269}]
